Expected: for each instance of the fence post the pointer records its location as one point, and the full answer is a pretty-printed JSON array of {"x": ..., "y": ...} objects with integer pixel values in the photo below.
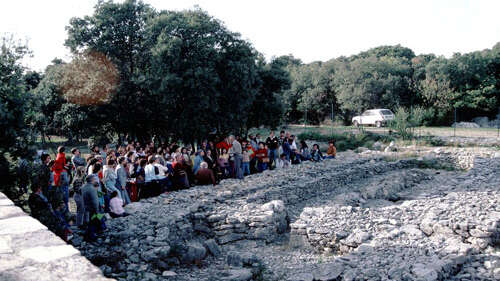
[
  {"x": 331, "y": 133},
  {"x": 455, "y": 122}
]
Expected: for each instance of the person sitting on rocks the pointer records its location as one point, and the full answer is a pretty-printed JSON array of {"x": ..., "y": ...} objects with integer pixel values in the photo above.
[
  {"x": 180, "y": 175},
  {"x": 205, "y": 175},
  {"x": 316, "y": 155},
  {"x": 223, "y": 162},
  {"x": 151, "y": 185},
  {"x": 304, "y": 154},
  {"x": 197, "y": 160},
  {"x": 43, "y": 212},
  {"x": 282, "y": 162},
  {"x": 162, "y": 173},
  {"x": 116, "y": 206},
  {"x": 210, "y": 160},
  {"x": 332, "y": 150}
]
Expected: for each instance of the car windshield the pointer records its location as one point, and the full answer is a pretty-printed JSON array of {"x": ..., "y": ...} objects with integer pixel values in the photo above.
[{"x": 386, "y": 112}]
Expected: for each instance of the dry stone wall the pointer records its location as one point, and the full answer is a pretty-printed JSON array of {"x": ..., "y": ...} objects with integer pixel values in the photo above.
[{"x": 29, "y": 251}]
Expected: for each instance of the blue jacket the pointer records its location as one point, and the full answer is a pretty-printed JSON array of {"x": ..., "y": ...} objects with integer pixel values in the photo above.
[{"x": 197, "y": 162}]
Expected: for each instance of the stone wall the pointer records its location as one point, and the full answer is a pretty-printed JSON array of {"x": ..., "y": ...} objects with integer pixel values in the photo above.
[{"x": 29, "y": 251}]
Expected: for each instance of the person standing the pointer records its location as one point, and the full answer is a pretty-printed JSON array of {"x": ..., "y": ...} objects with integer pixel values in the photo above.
[
  {"x": 91, "y": 203},
  {"x": 262, "y": 156},
  {"x": 78, "y": 182},
  {"x": 272, "y": 143},
  {"x": 61, "y": 177},
  {"x": 77, "y": 159},
  {"x": 237, "y": 156},
  {"x": 42, "y": 175},
  {"x": 122, "y": 176}
]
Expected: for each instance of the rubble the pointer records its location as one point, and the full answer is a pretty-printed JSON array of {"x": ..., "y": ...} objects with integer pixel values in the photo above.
[{"x": 355, "y": 217}]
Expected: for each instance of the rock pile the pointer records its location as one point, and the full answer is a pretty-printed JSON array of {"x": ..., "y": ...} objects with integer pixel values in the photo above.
[{"x": 351, "y": 218}]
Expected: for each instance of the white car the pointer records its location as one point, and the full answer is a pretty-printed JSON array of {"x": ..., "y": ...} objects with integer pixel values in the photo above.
[{"x": 376, "y": 117}]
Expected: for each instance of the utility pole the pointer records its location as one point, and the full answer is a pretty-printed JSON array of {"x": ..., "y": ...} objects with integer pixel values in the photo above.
[
  {"x": 331, "y": 133},
  {"x": 455, "y": 122},
  {"x": 305, "y": 117}
]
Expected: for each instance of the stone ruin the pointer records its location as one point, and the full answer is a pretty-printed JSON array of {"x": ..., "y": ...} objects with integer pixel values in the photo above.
[{"x": 357, "y": 217}]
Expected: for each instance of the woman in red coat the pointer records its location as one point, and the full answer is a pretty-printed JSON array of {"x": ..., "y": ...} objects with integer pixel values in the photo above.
[
  {"x": 59, "y": 165},
  {"x": 61, "y": 177}
]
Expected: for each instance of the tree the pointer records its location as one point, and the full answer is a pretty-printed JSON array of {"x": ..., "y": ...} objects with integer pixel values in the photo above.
[
  {"x": 267, "y": 108},
  {"x": 373, "y": 82},
  {"x": 44, "y": 101},
  {"x": 90, "y": 79},
  {"x": 202, "y": 76},
  {"x": 117, "y": 30},
  {"x": 14, "y": 138}
]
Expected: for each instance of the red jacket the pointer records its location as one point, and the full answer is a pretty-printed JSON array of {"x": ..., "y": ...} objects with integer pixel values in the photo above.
[
  {"x": 223, "y": 144},
  {"x": 261, "y": 154},
  {"x": 58, "y": 167}
]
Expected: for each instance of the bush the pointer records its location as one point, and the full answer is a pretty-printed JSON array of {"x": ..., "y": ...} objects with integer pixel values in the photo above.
[{"x": 405, "y": 121}]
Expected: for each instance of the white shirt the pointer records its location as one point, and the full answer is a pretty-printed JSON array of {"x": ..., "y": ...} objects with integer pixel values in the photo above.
[
  {"x": 149, "y": 171},
  {"x": 162, "y": 169}
]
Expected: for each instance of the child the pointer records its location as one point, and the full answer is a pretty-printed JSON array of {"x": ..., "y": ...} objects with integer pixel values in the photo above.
[
  {"x": 262, "y": 157},
  {"x": 282, "y": 163},
  {"x": 316, "y": 155},
  {"x": 116, "y": 206},
  {"x": 332, "y": 150},
  {"x": 245, "y": 163}
]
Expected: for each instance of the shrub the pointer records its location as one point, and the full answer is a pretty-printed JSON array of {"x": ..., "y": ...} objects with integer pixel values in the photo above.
[{"x": 405, "y": 121}]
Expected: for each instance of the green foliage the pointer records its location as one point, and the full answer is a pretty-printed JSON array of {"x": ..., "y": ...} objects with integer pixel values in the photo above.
[
  {"x": 406, "y": 120},
  {"x": 14, "y": 135},
  {"x": 182, "y": 74},
  {"x": 13, "y": 139},
  {"x": 392, "y": 76},
  {"x": 373, "y": 82},
  {"x": 267, "y": 108}
]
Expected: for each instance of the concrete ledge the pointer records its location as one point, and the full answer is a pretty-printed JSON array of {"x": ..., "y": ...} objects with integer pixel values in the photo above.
[{"x": 29, "y": 251}]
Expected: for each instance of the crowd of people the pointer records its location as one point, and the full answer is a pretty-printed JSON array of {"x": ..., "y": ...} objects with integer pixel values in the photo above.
[{"x": 108, "y": 179}]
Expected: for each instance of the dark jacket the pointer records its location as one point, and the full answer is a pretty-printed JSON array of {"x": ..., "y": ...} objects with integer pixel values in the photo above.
[
  {"x": 272, "y": 143},
  {"x": 90, "y": 199},
  {"x": 205, "y": 176}
]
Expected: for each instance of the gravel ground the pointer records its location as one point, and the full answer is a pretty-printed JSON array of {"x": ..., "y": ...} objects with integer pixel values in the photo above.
[{"x": 357, "y": 217}]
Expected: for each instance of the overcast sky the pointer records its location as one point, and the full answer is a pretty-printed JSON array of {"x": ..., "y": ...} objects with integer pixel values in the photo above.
[{"x": 310, "y": 30}]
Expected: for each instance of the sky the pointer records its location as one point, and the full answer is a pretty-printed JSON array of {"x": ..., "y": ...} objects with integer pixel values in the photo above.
[{"x": 311, "y": 30}]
